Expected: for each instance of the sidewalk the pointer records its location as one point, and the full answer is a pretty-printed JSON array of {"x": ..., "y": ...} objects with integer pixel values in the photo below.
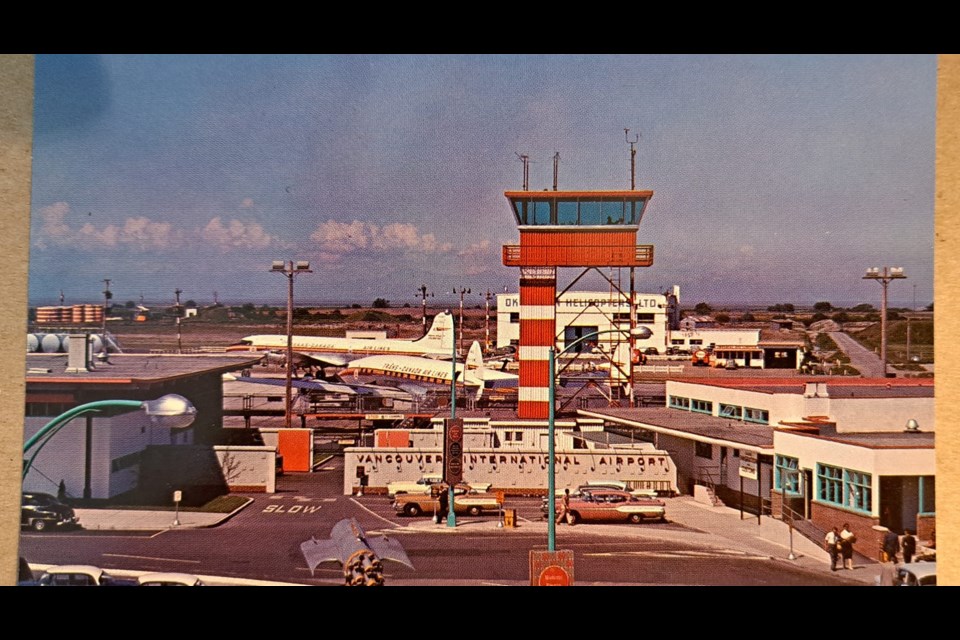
[{"x": 135, "y": 520}]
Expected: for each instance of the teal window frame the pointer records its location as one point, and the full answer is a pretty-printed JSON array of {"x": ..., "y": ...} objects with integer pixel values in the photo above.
[
  {"x": 679, "y": 402},
  {"x": 858, "y": 490},
  {"x": 730, "y": 411},
  {"x": 701, "y": 406},
  {"x": 759, "y": 416},
  {"x": 786, "y": 475},
  {"x": 830, "y": 484}
]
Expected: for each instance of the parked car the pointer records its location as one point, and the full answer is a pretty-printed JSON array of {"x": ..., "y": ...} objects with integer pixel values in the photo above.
[
  {"x": 466, "y": 500},
  {"x": 40, "y": 511},
  {"x": 651, "y": 351},
  {"x": 917, "y": 574},
  {"x": 589, "y": 504},
  {"x": 421, "y": 486},
  {"x": 169, "y": 580},
  {"x": 81, "y": 575}
]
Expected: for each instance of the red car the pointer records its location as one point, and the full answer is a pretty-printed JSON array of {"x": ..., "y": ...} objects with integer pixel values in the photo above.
[{"x": 611, "y": 505}]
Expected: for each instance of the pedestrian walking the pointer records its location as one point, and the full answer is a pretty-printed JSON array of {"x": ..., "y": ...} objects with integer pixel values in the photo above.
[
  {"x": 847, "y": 538},
  {"x": 444, "y": 504},
  {"x": 888, "y": 573},
  {"x": 564, "y": 506},
  {"x": 890, "y": 546},
  {"x": 909, "y": 545},
  {"x": 831, "y": 543}
]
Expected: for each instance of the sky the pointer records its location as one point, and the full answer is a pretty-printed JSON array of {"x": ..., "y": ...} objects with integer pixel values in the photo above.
[{"x": 775, "y": 178}]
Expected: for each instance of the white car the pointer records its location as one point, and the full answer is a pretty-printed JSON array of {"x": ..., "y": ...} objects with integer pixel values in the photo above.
[
  {"x": 169, "y": 580},
  {"x": 420, "y": 486}
]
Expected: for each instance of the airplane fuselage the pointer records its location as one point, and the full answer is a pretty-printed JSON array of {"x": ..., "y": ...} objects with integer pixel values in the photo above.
[{"x": 340, "y": 346}]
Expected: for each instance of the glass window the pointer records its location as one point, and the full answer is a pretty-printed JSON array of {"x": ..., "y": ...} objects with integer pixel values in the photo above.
[
  {"x": 612, "y": 211},
  {"x": 761, "y": 416},
  {"x": 696, "y": 342},
  {"x": 786, "y": 478},
  {"x": 859, "y": 492},
  {"x": 679, "y": 403},
  {"x": 701, "y": 406},
  {"x": 731, "y": 411},
  {"x": 541, "y": 212},
  {"x": 637, "y": 211},
  {"x": 515, "y": 317},
  {"x": 703, "y": 450},
  {"x": 567, "y": 212},
  {"x": 830, "y": 484},
  {"x": 590, "y": 213},
  {"x": 644, "y": 318},
  {"x": 675, "y": 341}
]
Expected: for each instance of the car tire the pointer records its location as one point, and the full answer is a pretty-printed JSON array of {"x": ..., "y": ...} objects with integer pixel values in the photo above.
[
  {"x": 412, "y": 509},
  {"x": 39, "y": 525},
  {"x": 573, "y": 517},
  {"x": 635, "y": 518},
  {"x": 474, "y": 510}
]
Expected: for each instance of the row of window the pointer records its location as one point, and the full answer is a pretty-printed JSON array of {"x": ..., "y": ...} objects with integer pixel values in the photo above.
[
  {"x": 737, "y": 412},
  {"x": 577, "y": 211},
  {"x": 619, "y": 318},
  {"x": 845, "y": 488}
]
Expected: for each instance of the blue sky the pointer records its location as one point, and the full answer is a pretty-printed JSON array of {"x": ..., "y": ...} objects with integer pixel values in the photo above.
[{"x": 776, "y": 178}]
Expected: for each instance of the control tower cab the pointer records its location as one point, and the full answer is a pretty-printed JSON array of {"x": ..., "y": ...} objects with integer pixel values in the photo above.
[{"x": 564, "y": 229}]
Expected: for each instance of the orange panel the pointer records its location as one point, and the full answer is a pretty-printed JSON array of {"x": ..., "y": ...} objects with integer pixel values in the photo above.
[
  {"x": 537, "y": 333},
  {"x": 398, "y": 439},
  {"x": 533, "y": 410},
  {"x": 575, "y": 238},
  {"x": 294, "y": 446},
  {"x": 540, "y": 296},
  {"x": 534, "y": 373}
]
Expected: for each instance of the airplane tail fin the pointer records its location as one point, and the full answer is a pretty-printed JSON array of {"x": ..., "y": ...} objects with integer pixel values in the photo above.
[
  {"x": 439, "y": 338},
  {"x": 475, "y": 356}
]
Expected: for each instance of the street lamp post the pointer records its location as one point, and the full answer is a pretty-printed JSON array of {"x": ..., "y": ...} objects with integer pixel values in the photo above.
[
  {"x": 289, "y": 269},
  {"x": 639, "y": 332},
  {"x": 884, "y": 277},
  {"x": 172, "y": 411}
]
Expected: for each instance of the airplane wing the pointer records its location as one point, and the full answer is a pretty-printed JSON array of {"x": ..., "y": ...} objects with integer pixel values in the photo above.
[
  {"x": 333, "y": 387},
  {"x": 389, "y": 549},
  {"x": 324, "y": 359},
  {"x": 317, "y": 551}
]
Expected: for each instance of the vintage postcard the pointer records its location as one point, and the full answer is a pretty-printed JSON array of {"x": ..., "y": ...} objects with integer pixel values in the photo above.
[{"x": 480, "y": 320}]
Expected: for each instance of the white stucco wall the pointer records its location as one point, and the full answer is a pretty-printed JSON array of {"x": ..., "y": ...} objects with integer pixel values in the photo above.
[
  {"x": 248, "y": 466},
  {"x": 505, "y": 469}
]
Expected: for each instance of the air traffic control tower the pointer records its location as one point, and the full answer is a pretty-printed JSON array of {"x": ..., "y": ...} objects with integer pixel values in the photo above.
[{"x": 583, "y": 229}]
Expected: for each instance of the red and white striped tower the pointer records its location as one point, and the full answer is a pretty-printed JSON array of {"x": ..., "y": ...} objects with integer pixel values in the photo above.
[
  {"x": 564, "y": 229},
  {"x": 538, "y": 291}
]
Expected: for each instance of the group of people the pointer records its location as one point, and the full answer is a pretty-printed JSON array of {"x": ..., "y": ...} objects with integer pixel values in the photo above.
[{"x": 839, "y": 544}]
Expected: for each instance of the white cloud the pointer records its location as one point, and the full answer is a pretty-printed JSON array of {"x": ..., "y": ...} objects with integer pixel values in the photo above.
[
  {"x": 53, "y": 226},
  {"x": 340, "y": 238},
  {"x": 235, "y": 235},
  {"x": 140, "y": 232},
  {"x": 247, "y": 203}
]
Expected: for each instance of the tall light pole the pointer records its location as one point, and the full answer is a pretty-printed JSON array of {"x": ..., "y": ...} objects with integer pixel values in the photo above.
[
  {"x": 884, "y": 277},
  {"x": 289, "y": 269},
  {"x": 423, "y": 293},
  {"x": 107, "y": 296},
  {"x": 461, "y": 291},
  {"x": 639, "y": 332},
  {"x": 179, "y": 312}
]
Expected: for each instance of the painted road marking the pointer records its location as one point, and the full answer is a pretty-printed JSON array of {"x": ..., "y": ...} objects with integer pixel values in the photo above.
[
  {"x": 296, "y": 508},
  {"x": 122, "y": 555}
]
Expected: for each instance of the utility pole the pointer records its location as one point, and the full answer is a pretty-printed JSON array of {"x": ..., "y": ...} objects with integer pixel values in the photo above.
[
  {"x": 525, "y": 159},
  {"x": 422, "y": 293},
  {"x": 884, "y": 277},
  {"x": 556, "y": 168},
  {"x": 107, "y": 295},
  {"x": 179, "y": 311},
  {"x": 633, "y": 156},
  {"x": 461, "y": 291}
]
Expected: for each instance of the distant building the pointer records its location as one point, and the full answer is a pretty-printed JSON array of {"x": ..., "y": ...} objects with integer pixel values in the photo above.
[
  {"x": 579, "y": 313},
  {"x": 102, "y": 455},
  {"x": 832, "y": 451}
]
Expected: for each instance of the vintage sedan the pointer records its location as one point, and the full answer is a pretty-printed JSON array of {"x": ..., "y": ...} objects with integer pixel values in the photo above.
[
  {"x": 424, "y": 484},
  {"x": 466, "y": 500},
  {"x": 169, "y": 580},
  {"x": 81, "y": 575},
  {"x": 917, "y": 574},
  {"x": 41, "y": 511},
  {"x": 611, "y": 505}
]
